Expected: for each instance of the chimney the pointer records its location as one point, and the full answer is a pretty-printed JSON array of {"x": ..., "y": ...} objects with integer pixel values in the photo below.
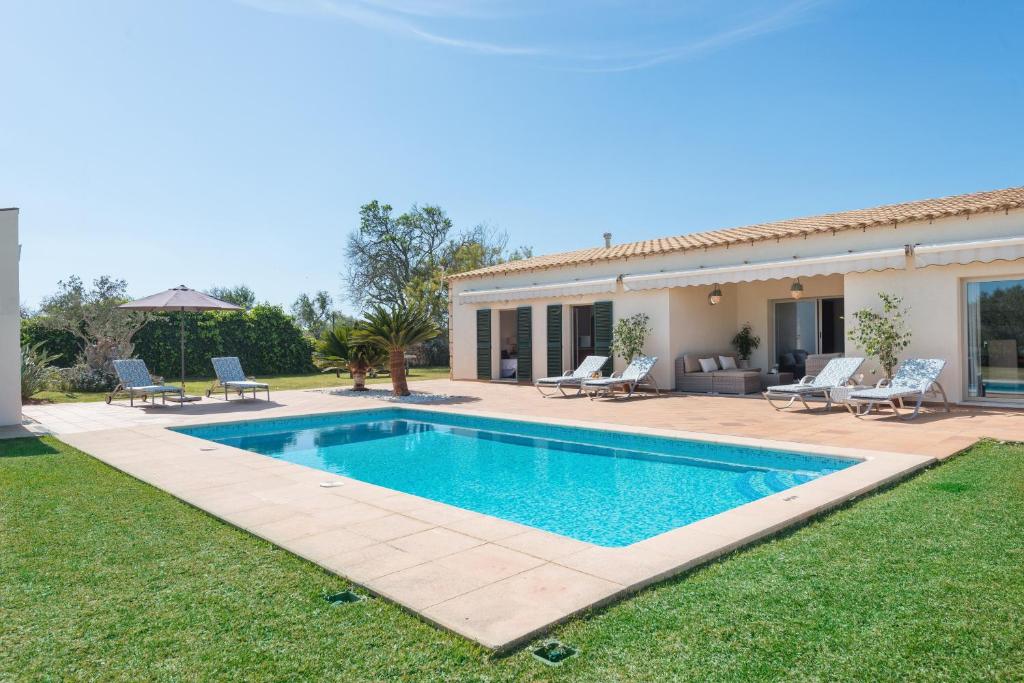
[{"x": 607, "y": 240}]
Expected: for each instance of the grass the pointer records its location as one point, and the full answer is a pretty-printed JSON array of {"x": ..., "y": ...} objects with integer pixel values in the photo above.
[
  {"x": 107, "y": 578},
  {"x": 199, "y": 385}
]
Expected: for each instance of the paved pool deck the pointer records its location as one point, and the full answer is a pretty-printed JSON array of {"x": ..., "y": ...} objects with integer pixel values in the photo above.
[{"x": 496, "y": 582}]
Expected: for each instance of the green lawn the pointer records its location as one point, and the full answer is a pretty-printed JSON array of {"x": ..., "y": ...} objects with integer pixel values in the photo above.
[
  {"x": 199, "y": 385},
  {"x": 102, "y": 577}
]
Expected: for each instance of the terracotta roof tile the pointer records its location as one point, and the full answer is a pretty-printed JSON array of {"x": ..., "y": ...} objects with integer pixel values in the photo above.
[{"x": 978, "y": 202}]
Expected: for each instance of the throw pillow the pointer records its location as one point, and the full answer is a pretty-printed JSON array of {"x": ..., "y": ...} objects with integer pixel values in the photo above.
[
  {"x": 708, "y": 364},
  {"x": 728, "y": 362},
  {"x": 691, "y": 363}
]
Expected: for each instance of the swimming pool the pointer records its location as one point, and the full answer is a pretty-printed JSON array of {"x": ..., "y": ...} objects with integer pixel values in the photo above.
[{"x": 603, "y": 487}]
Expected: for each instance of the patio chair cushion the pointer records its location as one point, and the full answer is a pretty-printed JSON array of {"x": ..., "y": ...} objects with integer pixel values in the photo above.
[
  {"x": 132, "y": 372},
  {"x": 639, "y": 368},
  {"x": 564, "y": 379},
  {"x": 228, "y": 369},
  {"x": 883, "y": 393},
  {"x": 837, "y": 372},
  {"x": 794, "y": 388},
  {"x": 246, "y": 385},
  {"x": 918, "y": 373},
  {"x": 727, "y": 362},
  {"x": 156, "y": 389}
]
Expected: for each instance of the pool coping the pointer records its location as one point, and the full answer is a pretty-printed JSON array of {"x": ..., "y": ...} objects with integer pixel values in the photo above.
[{"x": 496, "y": 582}]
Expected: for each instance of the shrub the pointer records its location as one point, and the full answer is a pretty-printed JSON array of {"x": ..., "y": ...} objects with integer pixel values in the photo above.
[
  {"x": 81, "y": 377},
  {"x": 745, "y": 342},
  {"x": 36, "y": 370},
  {"x": 62, "y": 345}
]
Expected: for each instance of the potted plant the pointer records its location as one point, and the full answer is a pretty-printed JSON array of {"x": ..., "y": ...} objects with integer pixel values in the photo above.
[
  {"x": 745, "y": 342},
  {"x": 629, "y": 336},
  {"x": 882, "y": 335}
]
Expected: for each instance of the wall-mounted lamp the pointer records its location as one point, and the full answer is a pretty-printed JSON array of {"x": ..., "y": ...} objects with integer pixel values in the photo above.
[
  {"x": 715, "y": 296},
  {"x": 796, "y": 290}
]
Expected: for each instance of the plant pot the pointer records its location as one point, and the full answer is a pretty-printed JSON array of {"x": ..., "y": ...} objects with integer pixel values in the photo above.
[{"x": 743, "y": 364}]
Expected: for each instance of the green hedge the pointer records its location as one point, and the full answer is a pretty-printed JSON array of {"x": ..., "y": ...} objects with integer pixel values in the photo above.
[
  {"x": 265, "y": 338},
  {"x": 56, "y": 342}
]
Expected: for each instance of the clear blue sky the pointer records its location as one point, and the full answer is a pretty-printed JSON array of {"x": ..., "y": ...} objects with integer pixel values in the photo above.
[{"x": 220, "y": 142}]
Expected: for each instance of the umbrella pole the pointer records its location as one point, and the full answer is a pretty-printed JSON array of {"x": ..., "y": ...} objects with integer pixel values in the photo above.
[{"x": 181, "y": 336}]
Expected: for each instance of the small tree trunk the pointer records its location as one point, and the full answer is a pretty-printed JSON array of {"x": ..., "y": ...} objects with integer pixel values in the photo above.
[
  {"x": 397, "y": 358},
  {"x": 358, "y": 380}
]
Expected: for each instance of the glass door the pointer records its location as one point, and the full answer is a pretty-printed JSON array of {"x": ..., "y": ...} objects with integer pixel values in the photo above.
[
  {"x": 582, "y": 333},
  {"x": 995, "y": 339}
]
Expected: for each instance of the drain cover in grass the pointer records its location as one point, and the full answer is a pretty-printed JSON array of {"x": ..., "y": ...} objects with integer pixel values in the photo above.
[
  {"x": 344, "y": 598},
  {"x": 554, "y": 652}
]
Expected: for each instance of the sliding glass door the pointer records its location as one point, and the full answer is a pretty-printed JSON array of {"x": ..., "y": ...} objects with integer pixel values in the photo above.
[
  {"x": 807, "y": 326},
  {"x": 995, "y": 339}
]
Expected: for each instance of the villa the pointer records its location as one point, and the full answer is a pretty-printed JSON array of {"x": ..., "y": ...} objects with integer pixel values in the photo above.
[{"x": 953, "y": 261}]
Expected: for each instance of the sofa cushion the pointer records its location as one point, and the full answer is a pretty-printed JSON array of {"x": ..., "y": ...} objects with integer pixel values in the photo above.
[
  {"x": 691, "y": 362},
  {"x": 708, "y": 364},
  {"x": 727, "y": 362}
]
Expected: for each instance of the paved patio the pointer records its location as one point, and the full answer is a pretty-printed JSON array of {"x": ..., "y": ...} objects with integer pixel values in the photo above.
[{"x": 489, "y": 579}]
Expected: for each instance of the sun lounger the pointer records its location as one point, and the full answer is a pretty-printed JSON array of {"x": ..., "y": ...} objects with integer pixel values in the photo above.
[
  {"x": 636, "y": 373},
  {"x": 836, "y": 373},
  {"x": 914, "y": 379},
  {"x": 590, "y": 367},
  {"x": 231, "y": 378},
  {"x": 134, "y": 379}
]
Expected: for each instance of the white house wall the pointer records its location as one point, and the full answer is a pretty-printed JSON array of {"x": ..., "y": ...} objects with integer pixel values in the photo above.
[
  {"x": 934, "y": 297},
  {"x": 10, "y": 320}
]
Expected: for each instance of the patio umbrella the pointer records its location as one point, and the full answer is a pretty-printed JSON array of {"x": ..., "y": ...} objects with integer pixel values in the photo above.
[{"x": 180, "y": 299}]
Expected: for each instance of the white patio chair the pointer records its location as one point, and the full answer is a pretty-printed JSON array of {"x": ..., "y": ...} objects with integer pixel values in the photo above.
[
  {"x": 836, "y": 373},
  {"x": 914, "y": 379},
  {"x": 231, "y": 377},
  {"x": 590, "y": 367},
  {"x": 134, "y": 378},
  {"x": 636, "y": 373}
]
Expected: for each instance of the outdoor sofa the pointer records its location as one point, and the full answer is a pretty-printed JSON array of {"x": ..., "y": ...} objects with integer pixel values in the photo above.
[
  {"x": 690, "y": 376},
  {"x": 590, "y": 367},
  {"x": 135, "y": 379}
]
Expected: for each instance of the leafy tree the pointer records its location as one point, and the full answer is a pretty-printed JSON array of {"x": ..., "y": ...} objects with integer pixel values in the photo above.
[
  {"x": 239, "y": 295},
  {"x": 315, "y": 314},
  {"x": 92, "y": 315},
  {"x": 393, "y": 331},
  {"x": 629, "y": 336},
  {"x": 337, "y": 350},
  {"x": 882, "y": 334}
]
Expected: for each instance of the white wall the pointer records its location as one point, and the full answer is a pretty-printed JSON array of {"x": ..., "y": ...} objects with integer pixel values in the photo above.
[
  {"x": 935, "y": 318},
  {"x": 10, "y": 320}
]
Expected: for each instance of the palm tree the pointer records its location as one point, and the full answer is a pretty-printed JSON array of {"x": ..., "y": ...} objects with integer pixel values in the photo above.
[
  {"x": 394, "y": 330},
  {"x": 337, "y": 350}
]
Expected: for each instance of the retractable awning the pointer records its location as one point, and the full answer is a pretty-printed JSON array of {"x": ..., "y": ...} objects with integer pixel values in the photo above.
[
  {"x": 554, "y": 289},
  {"x": 853, "y": 262},
  {"x": 977, "y": 251}
]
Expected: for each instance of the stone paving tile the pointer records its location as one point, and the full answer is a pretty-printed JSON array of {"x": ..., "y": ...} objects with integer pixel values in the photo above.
[
  {"x": 426, "y": 584},
  {"x": 486, "y": 528},
  {"x": 542, "y": 544},
  {"x": 372, "y": 562},
  {"x": 490, "y": 561},
  {"x": 436, "y": 542},
  {"x": 389, "y": 527}
]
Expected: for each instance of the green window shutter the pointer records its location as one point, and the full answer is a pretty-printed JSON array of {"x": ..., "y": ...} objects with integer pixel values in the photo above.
[
  {"x": 554, "y": 340},
  {"x": 603, "y": 333},
  {"x": 483, "y": 343},
  {"x": 524, "y": 344}
]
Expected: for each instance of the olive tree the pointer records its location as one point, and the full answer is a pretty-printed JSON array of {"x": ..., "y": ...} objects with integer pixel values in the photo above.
[{"x": 882, "y": 334}]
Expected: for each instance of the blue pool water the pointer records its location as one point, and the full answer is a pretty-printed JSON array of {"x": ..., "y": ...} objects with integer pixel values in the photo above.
[{"x": 603, "y": 487}]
